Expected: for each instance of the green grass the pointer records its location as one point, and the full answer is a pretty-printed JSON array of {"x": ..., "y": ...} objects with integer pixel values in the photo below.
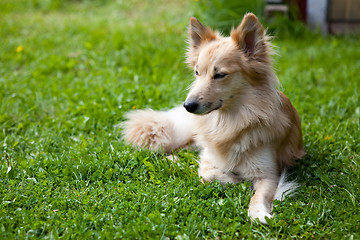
[{"x": 66, "y": 173}]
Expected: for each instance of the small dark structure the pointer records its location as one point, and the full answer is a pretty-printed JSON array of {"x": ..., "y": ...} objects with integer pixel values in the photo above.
[
  {"x": 329, "y": 16},
  {"x": 343, "y": 16}
]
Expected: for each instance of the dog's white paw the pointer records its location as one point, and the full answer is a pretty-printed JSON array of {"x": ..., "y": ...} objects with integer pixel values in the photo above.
[
  {"x": 259, "y": 211},
  {"x": 172, "y": 158},
  {"x": 209, "y": 174}
]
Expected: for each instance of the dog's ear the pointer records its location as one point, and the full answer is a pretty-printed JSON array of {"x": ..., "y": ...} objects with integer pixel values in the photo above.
[
  {"x": 249, "y": 36},
  {"x": 199, "y": 34}
]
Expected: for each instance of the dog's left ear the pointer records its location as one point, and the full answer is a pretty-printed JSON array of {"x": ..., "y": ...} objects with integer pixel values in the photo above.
[{"x": 249, "y": 36}]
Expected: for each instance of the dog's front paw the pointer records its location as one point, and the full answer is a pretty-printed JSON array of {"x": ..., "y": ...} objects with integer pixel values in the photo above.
[
  {"x": 259, "y": 211},
  {"x": 210, "y": 173}
]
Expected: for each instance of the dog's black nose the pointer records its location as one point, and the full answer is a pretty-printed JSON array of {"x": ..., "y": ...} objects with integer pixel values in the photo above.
[{"x": 191, "y": 106}]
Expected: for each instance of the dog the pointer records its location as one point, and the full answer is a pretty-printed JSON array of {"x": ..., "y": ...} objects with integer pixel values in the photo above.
[{"x": 246, "y": 129}]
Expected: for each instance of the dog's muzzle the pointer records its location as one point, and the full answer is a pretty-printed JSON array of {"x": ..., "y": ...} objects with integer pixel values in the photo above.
[{"x": 191, "y": 106}]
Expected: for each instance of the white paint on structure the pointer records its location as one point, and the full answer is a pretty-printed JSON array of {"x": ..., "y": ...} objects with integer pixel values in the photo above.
[{"x": 317, "y": 14}]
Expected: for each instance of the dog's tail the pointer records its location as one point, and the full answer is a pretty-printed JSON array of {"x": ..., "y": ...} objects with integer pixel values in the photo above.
[
  {"x": 159, "y": 130},
  {"x": 285, "y": 188}
]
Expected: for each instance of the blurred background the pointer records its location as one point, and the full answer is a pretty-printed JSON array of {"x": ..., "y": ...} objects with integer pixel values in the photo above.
[{"x": 325, "y": 16}]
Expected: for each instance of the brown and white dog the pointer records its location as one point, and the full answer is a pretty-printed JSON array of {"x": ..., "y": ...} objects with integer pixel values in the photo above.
[{"x": 245, "y": 128}]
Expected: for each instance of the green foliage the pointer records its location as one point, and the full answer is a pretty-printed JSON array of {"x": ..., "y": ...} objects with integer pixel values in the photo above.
[
  {"x": 282, "y": 27},
  {"x": 225, "y": 14},
  {"x": 48, "y": 5},
  {"x": 69, "y": 73}
]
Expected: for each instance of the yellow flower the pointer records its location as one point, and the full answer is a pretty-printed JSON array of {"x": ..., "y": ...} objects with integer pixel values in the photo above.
[
  {"x": 19, "y": 49},
  {"x": 329, "y": 137},
  {"x": 133, "y": 107}
]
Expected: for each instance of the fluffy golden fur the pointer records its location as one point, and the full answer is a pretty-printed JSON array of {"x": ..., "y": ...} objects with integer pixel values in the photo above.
[{"x": 246, "y": 129}]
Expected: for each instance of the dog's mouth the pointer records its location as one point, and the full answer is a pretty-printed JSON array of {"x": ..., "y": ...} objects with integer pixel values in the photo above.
[
  {"x": 216, "y": 107},
  {"x": 202, "y": 109}
]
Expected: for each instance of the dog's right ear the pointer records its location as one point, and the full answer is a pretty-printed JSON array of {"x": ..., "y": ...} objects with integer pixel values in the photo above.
[{"x": 199, "y": 34}]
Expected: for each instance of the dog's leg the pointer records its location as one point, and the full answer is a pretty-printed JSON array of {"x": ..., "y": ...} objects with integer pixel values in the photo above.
[
  {"x": 208, "y": 171},
  {"x": 211, "y": 173},
  {"x": 261, "y": 203},
  {"x": 259, "y": 166},
  {"x": 159, "y": 130}
]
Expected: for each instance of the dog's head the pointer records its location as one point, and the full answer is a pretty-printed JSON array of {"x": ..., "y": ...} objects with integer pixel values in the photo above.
[{"x": 224, "y": 67}]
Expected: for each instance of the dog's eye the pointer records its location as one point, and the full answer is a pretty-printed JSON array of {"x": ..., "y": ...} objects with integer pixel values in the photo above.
[
  {"x": 220, "y": 75},
  {"x": 196, "y": 73}
]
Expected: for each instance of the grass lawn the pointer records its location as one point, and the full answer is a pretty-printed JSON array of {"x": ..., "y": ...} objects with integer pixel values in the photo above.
[{"x": 68, "y": 73}]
